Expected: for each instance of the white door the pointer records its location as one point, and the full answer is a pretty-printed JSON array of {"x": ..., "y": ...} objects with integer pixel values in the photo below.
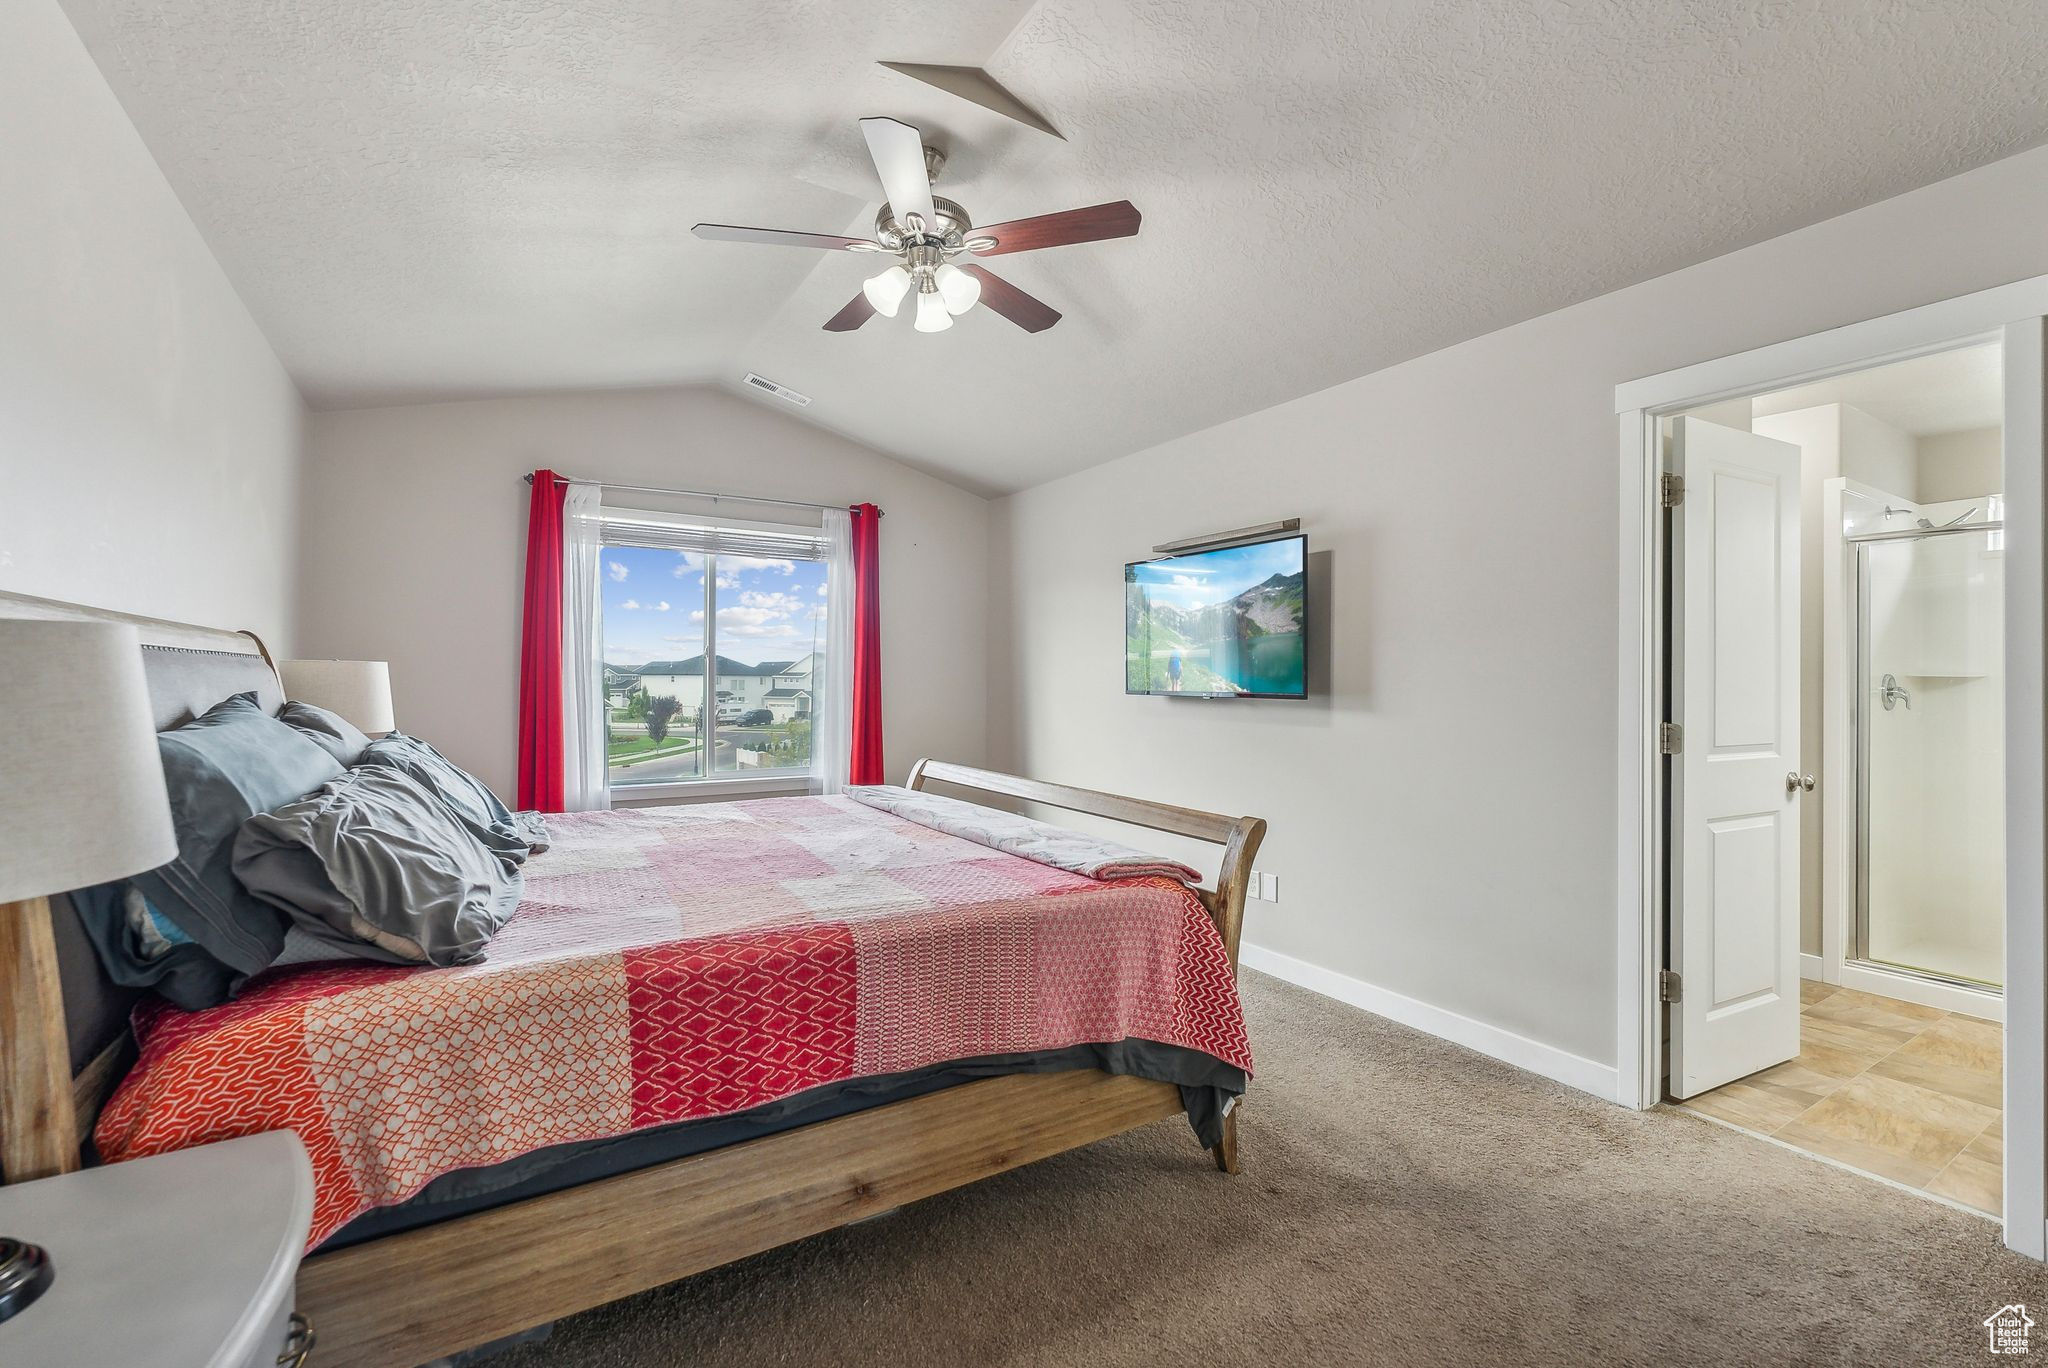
[{"x": 1735, "y": 787}]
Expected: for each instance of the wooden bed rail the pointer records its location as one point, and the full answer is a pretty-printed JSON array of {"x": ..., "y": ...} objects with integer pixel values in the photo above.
[{"x": 1239, "y": 836}]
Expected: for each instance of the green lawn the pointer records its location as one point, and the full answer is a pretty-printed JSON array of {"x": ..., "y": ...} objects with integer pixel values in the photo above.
[{"x": 629, "y": 747}]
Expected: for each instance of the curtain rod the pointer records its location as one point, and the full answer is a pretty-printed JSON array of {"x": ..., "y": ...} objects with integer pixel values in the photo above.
[{"x": 690, "y": 493}]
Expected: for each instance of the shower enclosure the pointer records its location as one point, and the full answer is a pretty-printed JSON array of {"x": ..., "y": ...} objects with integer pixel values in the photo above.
[{"x": 1929, "y": 724}]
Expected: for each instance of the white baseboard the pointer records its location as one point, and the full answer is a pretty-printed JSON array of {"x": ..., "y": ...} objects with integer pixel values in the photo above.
[
  {"x": 1940, "y": 996},
  {"x": 1976, "y": 1002},
  {"x": 1601, "y": 1080}
]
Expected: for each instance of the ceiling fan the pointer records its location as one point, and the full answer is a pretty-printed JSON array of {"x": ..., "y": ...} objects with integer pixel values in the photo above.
[{"x": 925, "y": 233}]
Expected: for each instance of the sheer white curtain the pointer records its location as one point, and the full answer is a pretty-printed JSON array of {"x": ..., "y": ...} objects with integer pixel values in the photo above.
[
  {"x": 584, "y": 720},
  {"x": 832, "y": 718}
]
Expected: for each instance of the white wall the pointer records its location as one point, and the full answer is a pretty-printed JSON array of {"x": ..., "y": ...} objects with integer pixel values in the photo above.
[
  {"x": 1443, "y": 811},
  {"x": 1960, "y": 465},
  {"x": 1876, "y": 453},
  {"x": 415, "y": 543},
  {"x": 149, "y": 440}
]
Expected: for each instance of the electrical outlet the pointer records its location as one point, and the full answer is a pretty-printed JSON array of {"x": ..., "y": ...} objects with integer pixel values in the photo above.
[{"x": 1252, "y": 886}]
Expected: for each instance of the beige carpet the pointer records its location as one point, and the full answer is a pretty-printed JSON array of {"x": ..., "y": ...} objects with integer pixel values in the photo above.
[{"x": 1402, "y": 1202}]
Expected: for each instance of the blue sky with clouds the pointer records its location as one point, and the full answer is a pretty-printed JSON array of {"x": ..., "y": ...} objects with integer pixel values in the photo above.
[
  {"x": 1206, "y": 577},
  {"x": 654, "y": 606}
]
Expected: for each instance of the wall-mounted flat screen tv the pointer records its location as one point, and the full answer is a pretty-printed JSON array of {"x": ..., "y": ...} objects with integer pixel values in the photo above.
[{"x": 1228, "y": 623}]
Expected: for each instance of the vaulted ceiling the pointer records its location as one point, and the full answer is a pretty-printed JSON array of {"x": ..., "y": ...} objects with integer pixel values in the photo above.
[{"x": 424, "y": 199}]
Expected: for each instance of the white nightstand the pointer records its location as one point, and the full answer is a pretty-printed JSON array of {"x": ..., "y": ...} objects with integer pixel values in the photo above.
[{"x": 184, "y": 1259}]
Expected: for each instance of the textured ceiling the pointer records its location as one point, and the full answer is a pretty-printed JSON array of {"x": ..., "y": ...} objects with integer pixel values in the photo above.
[{"x": 431, "y": 198}]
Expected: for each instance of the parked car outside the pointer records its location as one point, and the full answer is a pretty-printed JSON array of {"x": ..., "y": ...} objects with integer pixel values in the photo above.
[{"x": 759, "y": 717}]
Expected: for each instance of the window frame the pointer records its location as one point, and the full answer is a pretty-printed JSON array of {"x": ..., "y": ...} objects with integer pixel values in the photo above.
[{"x": 712, "y": 780}]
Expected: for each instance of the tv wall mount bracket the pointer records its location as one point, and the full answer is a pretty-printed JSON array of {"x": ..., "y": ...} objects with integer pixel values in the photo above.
[{"x": 1213, "y": 540}]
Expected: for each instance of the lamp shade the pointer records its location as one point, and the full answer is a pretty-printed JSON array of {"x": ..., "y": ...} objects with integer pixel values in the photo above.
[
  {"x": 360, "y": 690},
  {"x": 82, "y": 794}
]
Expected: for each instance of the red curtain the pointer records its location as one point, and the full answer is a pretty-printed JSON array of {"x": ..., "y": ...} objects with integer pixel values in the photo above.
[
  {"x": 540, "y": 650},
  {"x": 867, "y": 648}
]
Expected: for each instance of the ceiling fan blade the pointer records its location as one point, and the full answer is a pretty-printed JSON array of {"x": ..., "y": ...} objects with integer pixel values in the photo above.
[
  {"x": 898, "y": 150},
  {"x": 976, "y": 86},
  {"x": 856, "y": 312},
  {"x": 1092, "y": 224},
  {"x": 1032, "y": 315},
  {"x": 777, "y": 237}
]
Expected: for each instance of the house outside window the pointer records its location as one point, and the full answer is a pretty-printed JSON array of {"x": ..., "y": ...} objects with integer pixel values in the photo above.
[{"x": 713, "y": 639}]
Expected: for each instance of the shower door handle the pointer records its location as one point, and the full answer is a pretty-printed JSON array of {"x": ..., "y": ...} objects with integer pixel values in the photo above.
[{"x": 1795, "y": 782}]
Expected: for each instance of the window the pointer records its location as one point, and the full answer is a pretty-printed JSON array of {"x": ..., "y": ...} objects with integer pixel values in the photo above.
[{"x": 713, "y": 636}]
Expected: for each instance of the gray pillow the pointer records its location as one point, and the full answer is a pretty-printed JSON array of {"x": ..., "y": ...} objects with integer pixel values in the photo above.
[
  {"x": 511, "y": 836},
  {"x": 140, "y": 948},
  {"x": 376, "y": 867},
  {"x": 330, "y": 731},
  {"x": 221, "y": 768}
]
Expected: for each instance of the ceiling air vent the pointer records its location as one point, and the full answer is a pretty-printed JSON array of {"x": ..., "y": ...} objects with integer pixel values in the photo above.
[{"x": 762, "y": 382}]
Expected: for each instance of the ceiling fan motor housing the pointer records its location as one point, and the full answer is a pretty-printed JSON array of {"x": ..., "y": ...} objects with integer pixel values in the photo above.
[{"x": 950, "y": 231}]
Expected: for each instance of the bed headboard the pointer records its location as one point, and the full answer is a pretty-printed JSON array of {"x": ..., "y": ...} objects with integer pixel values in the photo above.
[{"x": 63, "y": 1023}]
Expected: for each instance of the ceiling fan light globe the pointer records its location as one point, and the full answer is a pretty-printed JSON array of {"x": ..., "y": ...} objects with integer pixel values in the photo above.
[
  {"x": 931, "y": 313},
  {"x": 957, "y": 288},
  {"x": 886, "y": 291}
]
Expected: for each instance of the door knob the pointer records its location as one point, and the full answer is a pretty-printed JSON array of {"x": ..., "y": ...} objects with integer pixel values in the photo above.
[
  {"x": 1807, "y": 781},
  {"x": 1795, "y": 781}
]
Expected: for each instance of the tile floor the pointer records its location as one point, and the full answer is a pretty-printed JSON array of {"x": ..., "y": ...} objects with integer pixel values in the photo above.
[{"x": 1907, "y": 1092}]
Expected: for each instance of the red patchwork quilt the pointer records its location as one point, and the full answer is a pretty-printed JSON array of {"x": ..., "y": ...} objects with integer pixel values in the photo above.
[{"x": 673, "y": 963}]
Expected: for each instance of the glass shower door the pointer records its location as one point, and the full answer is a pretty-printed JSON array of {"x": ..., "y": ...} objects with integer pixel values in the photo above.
[{"x": 1931, "y": 772}]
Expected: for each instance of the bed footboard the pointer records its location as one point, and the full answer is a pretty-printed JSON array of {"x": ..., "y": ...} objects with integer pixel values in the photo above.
[{"x": 1239, "y": 836}]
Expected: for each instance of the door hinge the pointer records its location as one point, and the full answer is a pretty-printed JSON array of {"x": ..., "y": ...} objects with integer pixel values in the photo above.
[
  {"x": 1670, "y": 489},
  {"x": 1670, "y": 738},
  {"x": 1669, "y": 986}
]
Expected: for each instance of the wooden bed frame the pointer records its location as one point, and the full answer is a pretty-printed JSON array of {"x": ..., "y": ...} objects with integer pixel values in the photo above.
[{"x": 401, "y": 1299}]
